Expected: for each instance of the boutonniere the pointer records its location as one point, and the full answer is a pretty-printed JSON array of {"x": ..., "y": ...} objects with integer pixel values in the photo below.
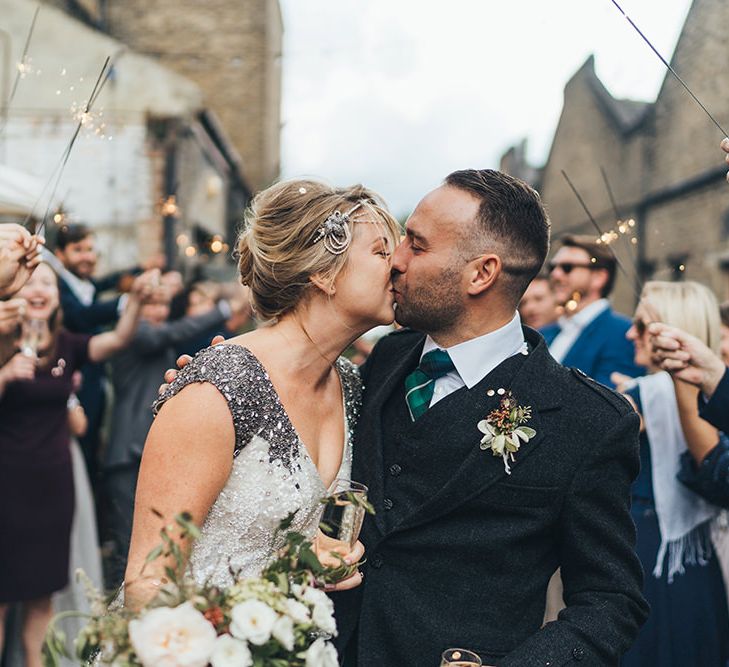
[{"x": 504, "y": 429}]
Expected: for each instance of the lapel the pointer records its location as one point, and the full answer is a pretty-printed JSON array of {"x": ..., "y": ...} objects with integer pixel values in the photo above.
[
  {"x": 584, "y": 350},
  {"x": 480, "y": 469},
  {"x": 368, "y": 456}
]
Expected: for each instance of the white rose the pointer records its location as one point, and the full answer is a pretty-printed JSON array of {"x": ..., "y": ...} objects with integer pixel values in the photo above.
[
  {"x": 252, "y": 620},
  {"x": 230, "y": 652},
  {"x": 315, "y": 596},
  {"x": 321, "y": 654},
  {"x": 323, "y": 612},
  {"x": 283, "y": 631},
  {"x": 323, "y": 617},
  {"x": 297, "y": 611},
  {"x": 178, "y": 637}
]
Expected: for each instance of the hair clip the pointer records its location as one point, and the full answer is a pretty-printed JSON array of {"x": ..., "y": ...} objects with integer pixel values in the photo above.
[{"x": 335, "y": 231}]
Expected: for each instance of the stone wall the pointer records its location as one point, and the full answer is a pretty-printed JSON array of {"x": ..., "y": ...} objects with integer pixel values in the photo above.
[{"x": 232, "y": 50}]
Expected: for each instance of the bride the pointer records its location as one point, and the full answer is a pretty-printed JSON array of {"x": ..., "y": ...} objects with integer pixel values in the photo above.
[{"x": 259, "y": 426}]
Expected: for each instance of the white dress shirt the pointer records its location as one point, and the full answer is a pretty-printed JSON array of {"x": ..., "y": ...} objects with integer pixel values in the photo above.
[
  {"x": 572, "y": 327},
  {"x": 474, "y": 359}
]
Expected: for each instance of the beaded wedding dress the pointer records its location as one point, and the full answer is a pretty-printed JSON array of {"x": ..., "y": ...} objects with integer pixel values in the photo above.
[{"x": 273, "y": 474}]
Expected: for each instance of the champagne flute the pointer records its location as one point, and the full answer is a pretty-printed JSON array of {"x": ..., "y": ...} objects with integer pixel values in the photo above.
[
  {"x": 32, "y": 331},
  {"x": 460, "y": 657},
  {"x": 341, "y": 522}
]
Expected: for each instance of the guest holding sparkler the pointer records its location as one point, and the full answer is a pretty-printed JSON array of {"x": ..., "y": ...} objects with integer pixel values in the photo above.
[
  {"x": 589, "y": 335},
  {"x": 705, "y": 470},
  {"x": 683, "y": 584},
  {"x": 19, "y": 255},
  {"x": 36, "y": 480}
]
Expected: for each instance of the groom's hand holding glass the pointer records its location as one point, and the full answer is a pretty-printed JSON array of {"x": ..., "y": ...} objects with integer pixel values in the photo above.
[{"x": 327, "y": 557}]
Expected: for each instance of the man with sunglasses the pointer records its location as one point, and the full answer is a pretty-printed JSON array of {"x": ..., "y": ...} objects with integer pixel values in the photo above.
[{"x": 589, "y": 336}]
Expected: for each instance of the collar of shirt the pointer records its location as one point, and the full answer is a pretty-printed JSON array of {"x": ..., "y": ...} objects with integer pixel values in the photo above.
[
  {"x": 474, "y": 359},
  {"x": 84, "y": 290},
  {"x": 580, "y": 320}
]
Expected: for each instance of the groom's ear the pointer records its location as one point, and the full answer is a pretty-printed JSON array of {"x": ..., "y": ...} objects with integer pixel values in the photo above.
[
  {"x": 483, "y": 273},
  {"x": 326, "y": 286}
]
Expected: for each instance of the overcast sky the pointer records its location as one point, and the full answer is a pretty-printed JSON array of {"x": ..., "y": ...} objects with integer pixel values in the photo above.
[{"x": 397, "y": 93}]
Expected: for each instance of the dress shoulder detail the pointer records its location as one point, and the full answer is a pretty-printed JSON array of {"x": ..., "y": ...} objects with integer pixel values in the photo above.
[{"x": 238, "y": 375}]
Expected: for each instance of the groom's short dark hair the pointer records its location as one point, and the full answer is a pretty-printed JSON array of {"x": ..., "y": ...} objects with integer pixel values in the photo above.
[{"x": 512, "y": 222}]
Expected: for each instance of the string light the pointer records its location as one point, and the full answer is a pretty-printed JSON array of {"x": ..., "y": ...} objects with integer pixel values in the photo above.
[
  {"x": 169, "y": 207},
  {"x": 183, "y": 239},
  {"x": 190, "y": 251}
]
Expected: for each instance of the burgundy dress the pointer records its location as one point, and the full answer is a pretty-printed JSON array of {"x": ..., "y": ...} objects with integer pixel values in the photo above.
[{"x": 36, "y": 477}]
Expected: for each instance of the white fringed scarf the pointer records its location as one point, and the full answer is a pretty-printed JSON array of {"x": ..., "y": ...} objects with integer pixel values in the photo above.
[{"x": 682, "y": 515}]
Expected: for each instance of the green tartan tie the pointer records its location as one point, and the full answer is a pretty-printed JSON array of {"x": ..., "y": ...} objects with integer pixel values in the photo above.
[{"x": 420, "y": 384}]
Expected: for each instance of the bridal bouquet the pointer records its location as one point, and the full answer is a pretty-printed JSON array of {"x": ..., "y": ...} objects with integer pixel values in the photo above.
[{"x": 280, "y": 619}]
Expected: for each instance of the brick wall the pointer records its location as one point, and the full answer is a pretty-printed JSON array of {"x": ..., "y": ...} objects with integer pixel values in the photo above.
[{"x": 231, "y": 49}]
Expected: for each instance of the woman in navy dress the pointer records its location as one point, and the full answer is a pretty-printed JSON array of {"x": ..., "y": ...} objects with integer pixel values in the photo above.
[
  {"x": 36, "y": 479},
  {"x": 689, "y": 620}
]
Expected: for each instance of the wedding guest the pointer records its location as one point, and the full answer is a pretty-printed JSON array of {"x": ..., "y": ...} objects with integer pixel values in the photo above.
[
  {"x": 135, "y": 378},
  {"x": 689, "y": 616},
  {"x": 11, "y": 315},
  {"x": 724, "y": 312},
  {"x": 36, "y": 481},
  {"x": 689, "y": 359},
  {"x": 201, "y": 298},
  {"x": 85, "y": 313},
  {"x": 589, "y": 335},
  {"x": 19, "y": 255},
  {"x": 706, "y": 469},
  {"x": 538, "y": 307}
]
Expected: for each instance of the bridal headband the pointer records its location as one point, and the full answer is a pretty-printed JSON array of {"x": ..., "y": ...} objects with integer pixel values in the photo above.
[{"x": 335, "y": 231}]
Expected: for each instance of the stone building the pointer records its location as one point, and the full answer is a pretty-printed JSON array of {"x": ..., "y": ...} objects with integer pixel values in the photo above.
[
  {"x": 230, "y": 48},
  {"x": 161, "y": 142},
  {"x": 660, "y": 160}
]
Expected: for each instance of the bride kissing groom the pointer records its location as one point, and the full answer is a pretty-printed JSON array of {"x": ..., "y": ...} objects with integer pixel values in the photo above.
[{"x": 489, "y": 464}]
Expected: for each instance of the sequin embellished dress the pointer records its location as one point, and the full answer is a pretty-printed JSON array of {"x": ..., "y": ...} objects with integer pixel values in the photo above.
[{"x": 272, "y": 475}]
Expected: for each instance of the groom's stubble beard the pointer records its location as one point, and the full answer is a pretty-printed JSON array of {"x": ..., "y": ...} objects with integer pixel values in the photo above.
[{"x": 433, "y": 306}]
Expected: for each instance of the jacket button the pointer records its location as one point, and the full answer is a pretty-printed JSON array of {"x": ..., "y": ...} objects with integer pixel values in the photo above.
[
  {"x": 387, "y": 504},
  {"x": 395, "y": 469},
  {"x": 377, "y": 561},
  {"x": 578, "y": 653}
]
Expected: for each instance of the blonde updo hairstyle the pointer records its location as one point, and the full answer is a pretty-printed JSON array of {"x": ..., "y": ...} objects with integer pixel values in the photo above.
[
  {"x": 276, "y": 253},
  {"x": 686, "y": 305}
]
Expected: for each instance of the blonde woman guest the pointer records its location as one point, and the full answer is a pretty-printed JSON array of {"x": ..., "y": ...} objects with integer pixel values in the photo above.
[
  {"x": 261, "y": 425},
  {"x": 683, "y": 582},
  {"x": 36, "y": 480}
]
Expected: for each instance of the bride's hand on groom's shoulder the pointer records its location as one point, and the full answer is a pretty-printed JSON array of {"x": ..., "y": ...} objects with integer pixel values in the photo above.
[{"x": 182, "y": 361}]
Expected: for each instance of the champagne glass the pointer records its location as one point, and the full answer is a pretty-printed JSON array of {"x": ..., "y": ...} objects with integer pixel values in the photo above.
[
  {"x": 460, "y": 657},
  {"x": 32, "y": 331},
  {"x": 341, "y": 522}
]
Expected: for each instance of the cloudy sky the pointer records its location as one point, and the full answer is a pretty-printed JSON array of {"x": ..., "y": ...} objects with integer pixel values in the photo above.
[{"x": 397, "y": 93}]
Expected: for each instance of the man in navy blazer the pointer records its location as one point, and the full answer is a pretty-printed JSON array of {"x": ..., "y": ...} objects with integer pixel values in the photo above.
[
  {"x": 589, "y": 335},
  {"x": 83, "y": 312}
]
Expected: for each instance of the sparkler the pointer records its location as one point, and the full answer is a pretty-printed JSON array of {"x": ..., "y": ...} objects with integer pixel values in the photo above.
[
  {"x": 634, "y": 282},
  {"x": 59, "y": 169},
  {"x": 24, "y": 67},
  {"x": 670, "y": 69}
]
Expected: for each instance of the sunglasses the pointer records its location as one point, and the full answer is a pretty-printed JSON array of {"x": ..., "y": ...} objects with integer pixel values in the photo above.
[
  {"x": 641, "y": 326},
  {"x": 567, "y": 267}
]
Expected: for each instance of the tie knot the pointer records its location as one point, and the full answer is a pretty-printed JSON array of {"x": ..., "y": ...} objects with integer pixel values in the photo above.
[{"x": 436, "y": 364}]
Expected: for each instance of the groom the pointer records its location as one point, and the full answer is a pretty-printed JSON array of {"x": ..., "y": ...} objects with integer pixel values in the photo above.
[{"x": 460, "y": 552}]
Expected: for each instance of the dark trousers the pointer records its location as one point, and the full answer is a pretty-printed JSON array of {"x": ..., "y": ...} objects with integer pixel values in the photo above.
[{"x": 120, "y": 485}]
